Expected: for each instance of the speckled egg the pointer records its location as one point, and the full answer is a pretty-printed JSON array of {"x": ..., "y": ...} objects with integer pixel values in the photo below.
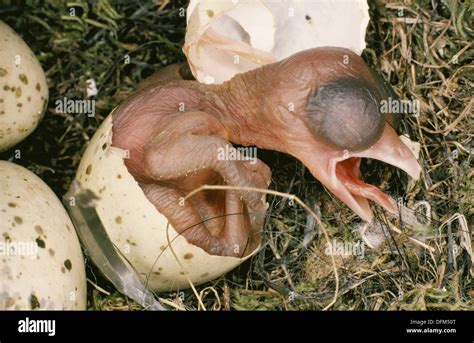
[
  {"x": 23, "y": 89},
  {"x": 41, "y": 263},
  {"x": 137, "y": 229}
]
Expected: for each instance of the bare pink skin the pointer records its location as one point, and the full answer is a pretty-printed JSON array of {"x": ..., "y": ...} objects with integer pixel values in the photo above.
[{"x": 320, "y": 105}]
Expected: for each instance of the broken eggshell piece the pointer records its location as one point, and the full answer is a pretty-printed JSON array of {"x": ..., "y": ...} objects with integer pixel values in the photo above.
[
  {"x": 41, "y": 267},
  {"x": 224, "y": 38},
  {"x": 137, "y": 229}
]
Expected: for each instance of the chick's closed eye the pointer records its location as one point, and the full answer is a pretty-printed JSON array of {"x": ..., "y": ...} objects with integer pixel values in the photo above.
[{"x": 344, "y": 113}]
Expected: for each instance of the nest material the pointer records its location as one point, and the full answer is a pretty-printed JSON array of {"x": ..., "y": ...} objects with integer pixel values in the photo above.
[{"x": 422, "y": 48}]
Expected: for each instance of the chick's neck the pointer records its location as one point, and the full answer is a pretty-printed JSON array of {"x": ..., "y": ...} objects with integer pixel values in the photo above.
[{"x": 240, "y": 105}]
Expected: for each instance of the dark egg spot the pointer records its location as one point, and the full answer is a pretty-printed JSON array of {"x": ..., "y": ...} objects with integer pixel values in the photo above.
[
  {"x": 10, "y": 302},
  {"x": 118, "y": 220},
  {"x": 38, "y": 229},
  {"x": 63, "y": 270},
  {"x": 68, "y": 264},
  {"x": 188, "y": 256},
  {"x": 34, "y": 302},
  {"x": 89, "y": 169},
  {"x": 210, "y": 13},
  {"x": 104, "y": 146},
  {"x": 6, "y": 236},
  {"x": 51, "y": 252},
  {"x": 131, "y": 242},
  {"x": 3, "y": 72},
  {"x": 119, "y": 176},
  {"x": 11, "y": 204},
  {"x": 38, "y": 87},
  {"x": 23, "y": 78},
  {"x": 18, "y": 220},
  {"x": 40, "y": 242}
]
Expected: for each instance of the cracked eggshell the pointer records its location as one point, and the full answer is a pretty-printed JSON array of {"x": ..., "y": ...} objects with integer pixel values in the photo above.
[
  {"x": 41, "y": 263},
  {"x": 136, "y": 228},
  {"x": 227, "y": 37},
  {"x": 23, "y": 89}
]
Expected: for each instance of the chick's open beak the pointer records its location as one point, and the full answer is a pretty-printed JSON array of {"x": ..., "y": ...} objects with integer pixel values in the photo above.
[{"x": 339, "y": 171}]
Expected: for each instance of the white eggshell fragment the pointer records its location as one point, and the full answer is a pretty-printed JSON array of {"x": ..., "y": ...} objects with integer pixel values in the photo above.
[
  {"x": 227, "y": 37},
  {"x": 41, "y": 263},
  {"x": 136, "y": 228},
  {"x": 23, "y": 89},
  {"x": 220, "y": 42}
]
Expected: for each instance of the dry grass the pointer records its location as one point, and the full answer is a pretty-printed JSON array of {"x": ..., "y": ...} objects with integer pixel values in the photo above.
[{"x": 424, "y": 49}]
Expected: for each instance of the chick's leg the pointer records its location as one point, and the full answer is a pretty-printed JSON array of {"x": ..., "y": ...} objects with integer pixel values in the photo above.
[{"x": 186, "y": 153}]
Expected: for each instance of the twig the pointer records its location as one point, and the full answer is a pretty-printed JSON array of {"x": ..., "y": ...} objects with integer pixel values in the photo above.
[{"x": 201, "y": 304}]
